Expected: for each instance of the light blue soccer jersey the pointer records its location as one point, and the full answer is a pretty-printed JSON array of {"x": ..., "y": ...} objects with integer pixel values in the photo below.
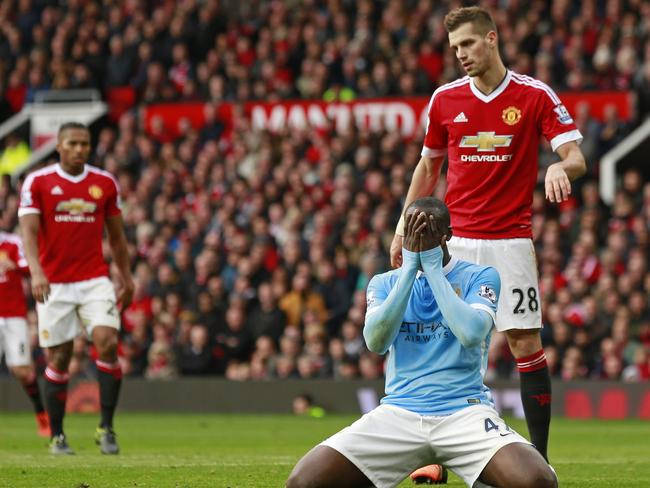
[{"x": 429, "y": 371}]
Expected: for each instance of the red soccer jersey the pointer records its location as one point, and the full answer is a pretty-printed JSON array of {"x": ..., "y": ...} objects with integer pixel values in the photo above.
[
  {"x": 72, "y": 213},
  {"x": 492, "y": 144},
  {"x": 12, "y": 303}
]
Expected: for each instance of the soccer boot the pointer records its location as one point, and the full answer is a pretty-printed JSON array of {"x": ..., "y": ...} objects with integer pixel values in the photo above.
[
  {"x": 106, "y": 439},
  {"x": 433, "y": 474},
  {"x": 43, "y": 422},
  {"x": 59, "y": 445}
]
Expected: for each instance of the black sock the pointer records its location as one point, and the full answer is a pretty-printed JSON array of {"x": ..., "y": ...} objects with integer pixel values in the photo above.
[
  {"x": 109, "y": 377},
  {"x": 56, "y": 394},
  {"x": 34, "y": 394},
  {"x": 536, "y": 398}
]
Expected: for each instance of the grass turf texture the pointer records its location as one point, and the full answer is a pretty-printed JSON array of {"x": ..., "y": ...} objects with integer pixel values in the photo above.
[{"x": 188, "y": 450}]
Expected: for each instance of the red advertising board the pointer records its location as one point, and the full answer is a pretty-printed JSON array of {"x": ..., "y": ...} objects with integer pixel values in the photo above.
[{"x": 406, "y": 115}]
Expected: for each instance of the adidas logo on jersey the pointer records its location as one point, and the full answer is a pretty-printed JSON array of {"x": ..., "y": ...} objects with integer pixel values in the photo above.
[
  {"x": 56, "y": 190},
  {"x": 461, "y": 118}
]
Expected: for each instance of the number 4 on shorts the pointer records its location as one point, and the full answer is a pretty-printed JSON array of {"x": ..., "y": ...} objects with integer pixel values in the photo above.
[{"x": 490, "y": 425}]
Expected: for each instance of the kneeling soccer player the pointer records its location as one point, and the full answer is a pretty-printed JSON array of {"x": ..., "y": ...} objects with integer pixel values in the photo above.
[{"x": 434, "y": 315}]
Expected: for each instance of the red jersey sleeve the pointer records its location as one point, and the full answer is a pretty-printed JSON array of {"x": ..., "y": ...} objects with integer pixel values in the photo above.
[
  {"x": 435, "y": 138},
  {"x": 30, "y": 197},
  {"x": 556, "y": 122},
  {"x": 113, "y": 204}
]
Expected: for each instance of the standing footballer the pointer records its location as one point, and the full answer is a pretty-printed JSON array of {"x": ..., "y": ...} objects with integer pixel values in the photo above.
[
  {"x": 489, "y": 124},
  {"x": 14, "y": 336},
  {"x": 63, "y": 210}
]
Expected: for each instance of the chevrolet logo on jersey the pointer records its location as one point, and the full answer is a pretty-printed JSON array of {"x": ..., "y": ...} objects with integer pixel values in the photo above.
[
  {"x": 75, "y": 210},
  {"x": 76, "y": 206},
  {"x": 485, "y": 141}
]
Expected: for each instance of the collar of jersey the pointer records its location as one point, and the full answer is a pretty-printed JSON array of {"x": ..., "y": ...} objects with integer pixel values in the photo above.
[
  {"x": 488, "y": 98},
  {"x": 68, "y": 176},
  {"x": 445, "y": 269}
]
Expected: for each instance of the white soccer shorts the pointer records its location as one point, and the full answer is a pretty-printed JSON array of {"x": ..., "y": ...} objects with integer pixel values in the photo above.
[
  {"x": 14, "y": 341},
  {"x": 72, "y": 306},
  {"x": 519, "y": 303},
  {"x": 389, "y": 443}
]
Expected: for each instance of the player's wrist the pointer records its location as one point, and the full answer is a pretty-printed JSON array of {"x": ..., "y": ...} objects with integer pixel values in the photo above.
[
  {"x": 432, "y": 257},
  {"x": 37, "y": 272},
  {"x": 410, "y": 258},
  {"x": 399, "y": 229}
]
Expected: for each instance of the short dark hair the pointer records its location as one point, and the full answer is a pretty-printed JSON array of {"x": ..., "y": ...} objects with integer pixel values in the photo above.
[
  {"x": 435, "y": 207},
  {"x": 479, "y": 17},
  {"x": 72, "y": 125}
]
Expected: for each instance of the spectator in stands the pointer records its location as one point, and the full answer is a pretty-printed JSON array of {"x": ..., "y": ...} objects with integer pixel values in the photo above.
[
  {"x": 160, "y": 362},
  {"x": 285, "y": 367},
  {"x": 16, "y": 153},
  {"x": 265, "y": 318},
  {"x": 236, "y": 340},
  {"x": 195, "y": 357},
  {"x": 300, "y": 299},
  {"x": 135, "y": 348},
  {"x": 119, "y": 65}
]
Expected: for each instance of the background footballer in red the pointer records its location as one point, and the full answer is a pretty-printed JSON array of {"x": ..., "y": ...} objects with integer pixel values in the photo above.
[
  {"x": 63, "y": 211},
  {"x": 15, "y": 342}
]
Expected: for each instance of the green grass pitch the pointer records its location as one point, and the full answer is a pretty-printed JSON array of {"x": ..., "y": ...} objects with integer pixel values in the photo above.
[{"x": 188, "y": 450}]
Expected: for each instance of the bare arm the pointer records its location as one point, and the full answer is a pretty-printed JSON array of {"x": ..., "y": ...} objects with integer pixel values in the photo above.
[
  {"x": 29, "y": 225},
  {"x": 117, "y": 241},
  {"x": 560, "y": 175},
  {"x": 425, "y": 179}
]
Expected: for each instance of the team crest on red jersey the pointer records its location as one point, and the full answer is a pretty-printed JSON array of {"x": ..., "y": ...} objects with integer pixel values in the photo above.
[
  {"x": 511, "y": 115},
  {"x": 95, "y": 192}
]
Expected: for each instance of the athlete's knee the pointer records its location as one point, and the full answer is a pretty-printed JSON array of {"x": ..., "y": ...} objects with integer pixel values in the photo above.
[
  {"x": 541, "y": 477},
  {"x": 24, "y": 374},
  {"x": 306, "y": 474},
  {"x": 299, "y": 479},
  {"x": 106, "y": 343},
  {"x": 524, "y": 342},
  {"x": 59, "y": 356}
]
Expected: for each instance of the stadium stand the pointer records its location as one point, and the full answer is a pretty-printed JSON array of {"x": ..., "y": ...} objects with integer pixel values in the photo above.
[{"x": 252, "y": 249}]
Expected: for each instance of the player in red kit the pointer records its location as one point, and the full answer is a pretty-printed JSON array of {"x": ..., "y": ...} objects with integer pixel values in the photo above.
[
  {"x": 489, "y": 124},
  {"x": 63, "y": 211},
  {"x": 14, "y": 336}
]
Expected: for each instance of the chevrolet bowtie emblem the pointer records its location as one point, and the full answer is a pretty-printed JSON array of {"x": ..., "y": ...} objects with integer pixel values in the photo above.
[
  {"x": 485, "y": 141},
  {"x": 76, "y": 206}
]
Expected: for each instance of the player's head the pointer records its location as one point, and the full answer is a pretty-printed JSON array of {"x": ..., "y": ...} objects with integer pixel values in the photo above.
[
  {"x": 436, "y": 208},
  {"x": 73, "y": 145},
  {"x": 473, "y": 37}
]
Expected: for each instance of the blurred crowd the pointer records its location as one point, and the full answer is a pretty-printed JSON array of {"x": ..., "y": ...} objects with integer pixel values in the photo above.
[
  {"x": 251, "y": 250},
  {"x": 333, "y": 49}
]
